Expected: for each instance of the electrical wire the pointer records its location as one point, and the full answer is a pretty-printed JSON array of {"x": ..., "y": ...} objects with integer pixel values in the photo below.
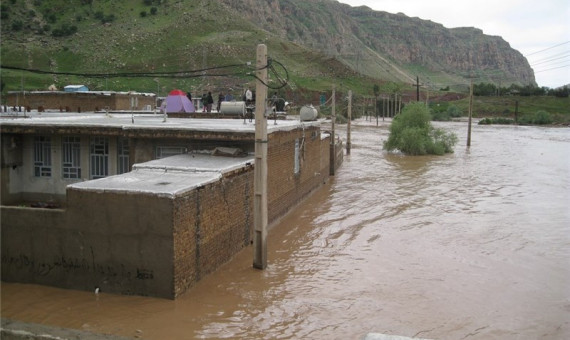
[{"x": 174, "y": 74}]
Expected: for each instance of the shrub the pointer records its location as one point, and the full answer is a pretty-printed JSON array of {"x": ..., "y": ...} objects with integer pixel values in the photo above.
[
  {"x": 411, "y": 132},
  {"x": 51, "y": 18},
  {"x": 153, "y": 10},
  {"x": 499, "y": 120},
  {"x": 542, "y": 117},
  {"x": 453, "y": 111},
  {"x": 64, "y": 30},
  {"x": 440, "y": 116},
  {"x": 143, "y": 14},
  {"x": 539, "y": 118},
  {"x": 17, "y": 25}
]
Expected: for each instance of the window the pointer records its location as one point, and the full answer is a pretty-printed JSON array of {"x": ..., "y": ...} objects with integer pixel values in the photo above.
[
  {"x": 99, "y": 150},
  {"x": 167, "y": 151},
  {"x": 42, "y": 156},
  {"x": 71, "y": 157},
  {"x": 297, "y": 157},
  {"x": 123, "y": 155}
]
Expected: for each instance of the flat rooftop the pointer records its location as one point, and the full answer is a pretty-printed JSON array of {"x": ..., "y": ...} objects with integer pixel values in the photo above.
[
  {"x": 137, "y": 121},
  {"x": 168, "y": 177}
]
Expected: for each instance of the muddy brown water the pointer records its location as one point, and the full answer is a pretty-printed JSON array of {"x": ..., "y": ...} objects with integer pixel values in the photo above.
[{"x": 472, "y": 245}]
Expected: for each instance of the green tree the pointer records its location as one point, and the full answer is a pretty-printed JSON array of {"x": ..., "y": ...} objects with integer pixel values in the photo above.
[{"x": 411, "y": 132}]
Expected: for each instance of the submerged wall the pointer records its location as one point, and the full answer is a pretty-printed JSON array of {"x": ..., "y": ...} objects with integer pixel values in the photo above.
[{"x": 141, "y": 243}]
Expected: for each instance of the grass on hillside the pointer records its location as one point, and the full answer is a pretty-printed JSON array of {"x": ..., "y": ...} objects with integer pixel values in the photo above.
[{"x": 505, "y": 107}]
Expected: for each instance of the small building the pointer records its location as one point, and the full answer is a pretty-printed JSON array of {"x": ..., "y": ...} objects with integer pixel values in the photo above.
[
  {"x": 78, "y": 101},
  {"x": 75, "y": 88},
  {"x": 141, "y": 204}
]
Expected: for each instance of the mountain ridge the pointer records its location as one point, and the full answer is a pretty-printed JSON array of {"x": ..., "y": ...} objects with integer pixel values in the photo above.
[{"x": 320, "y": 41}]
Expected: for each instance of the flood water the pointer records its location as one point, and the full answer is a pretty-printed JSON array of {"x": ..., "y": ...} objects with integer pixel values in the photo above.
[{"x": 472, "y": 245}]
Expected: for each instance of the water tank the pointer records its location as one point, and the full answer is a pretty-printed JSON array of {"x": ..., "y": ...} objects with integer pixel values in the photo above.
[
  {"x": 232, "y": 108},
  {"x": 308, "y": 112}
]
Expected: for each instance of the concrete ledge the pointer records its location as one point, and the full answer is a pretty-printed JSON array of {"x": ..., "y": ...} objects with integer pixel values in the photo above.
[
  {"x": 379, "y": 336},
  {"x": 16, "y": 330}
]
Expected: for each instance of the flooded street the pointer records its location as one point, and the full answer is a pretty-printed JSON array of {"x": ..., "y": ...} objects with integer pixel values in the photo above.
[{"x": 472, "y": 245}]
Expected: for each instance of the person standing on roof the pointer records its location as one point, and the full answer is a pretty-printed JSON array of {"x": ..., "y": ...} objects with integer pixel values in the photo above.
[
  {"x": 204, "y": 102},
  {"x": 220, "y": 100},
  {"x": 248, "y": 97},
  {"x": 209, "y": 102}
]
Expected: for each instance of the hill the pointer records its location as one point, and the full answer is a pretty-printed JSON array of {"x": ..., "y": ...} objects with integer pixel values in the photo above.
[{"x": 318, "y": 41}]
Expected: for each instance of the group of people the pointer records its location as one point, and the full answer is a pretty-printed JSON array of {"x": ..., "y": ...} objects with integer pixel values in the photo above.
[{"x": 208, "y": 100}]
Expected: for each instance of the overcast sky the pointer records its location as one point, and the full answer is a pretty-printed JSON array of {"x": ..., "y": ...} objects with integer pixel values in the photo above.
[{"x": 532, "y": 27}]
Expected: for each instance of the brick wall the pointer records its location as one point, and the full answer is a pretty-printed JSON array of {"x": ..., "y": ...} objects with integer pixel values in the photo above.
[
  {"x": 285, "y": 188},
  {"x": 136, "y": 243},
  {"x": 77, "y": 101},
  {"x": 211, "y": 225}
]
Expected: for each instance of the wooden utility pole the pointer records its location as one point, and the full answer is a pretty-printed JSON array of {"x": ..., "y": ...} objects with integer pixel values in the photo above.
[
  {"x": 383, "y": 108},
  {"x": 348, "y": 144},
  {"x": 470, "y": 113},
  {"x": 417, "y": 88},
  {"x": 332, "y": 164},
  {"x": 376, "y": 108},
  {"x": 260, "y": 174}
]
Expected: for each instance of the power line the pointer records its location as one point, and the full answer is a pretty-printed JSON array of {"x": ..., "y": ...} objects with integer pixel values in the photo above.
[
  {"x": 174, "y": 74},
  {"x": 549, "y": 48},
  {"x": 551, "y": 60},
  {"x": 554, "y": 68}
]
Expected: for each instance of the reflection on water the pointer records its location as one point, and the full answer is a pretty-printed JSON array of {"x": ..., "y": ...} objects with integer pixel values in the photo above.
[{"x": 474, "y": 245}]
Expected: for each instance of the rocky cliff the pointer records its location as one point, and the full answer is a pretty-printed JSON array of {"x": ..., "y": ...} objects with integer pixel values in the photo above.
[
  {"x": 388, "y": 45},
  {"x": 319, "y": 41}
]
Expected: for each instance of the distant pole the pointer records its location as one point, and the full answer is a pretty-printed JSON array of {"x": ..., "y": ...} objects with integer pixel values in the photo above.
[
  {"x": 383, "y": 108},
  {"x": 348, "y": 144},
  {"x": 470, "y": 113},
  {"x": 260, "y": 174},
  {"x": 418, "y": 88},
  {"x": 376, "y": 108},
  {"x": 516, "y": 112},
  {"x": 333, "y": 138}
]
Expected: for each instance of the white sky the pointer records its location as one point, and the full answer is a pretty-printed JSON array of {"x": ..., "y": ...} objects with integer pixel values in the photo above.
[{"x": 529, "y": 26}]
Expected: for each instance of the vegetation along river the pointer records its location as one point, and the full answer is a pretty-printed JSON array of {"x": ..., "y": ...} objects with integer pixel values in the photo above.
[{"x": 470, "y": 245}]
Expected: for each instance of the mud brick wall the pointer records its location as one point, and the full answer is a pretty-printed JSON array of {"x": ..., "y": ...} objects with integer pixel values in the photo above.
[
  {"x": 76, "y": 101},
  {"x": 121, "y": 243},
  {"x": 211, "y": 225},
  {"x": 285, "y": 188}
]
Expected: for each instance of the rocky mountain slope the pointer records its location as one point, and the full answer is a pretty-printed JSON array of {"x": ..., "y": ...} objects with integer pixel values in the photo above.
[
  {"x": 319, "y": 41},
  {"x": 385, "y": 45}
]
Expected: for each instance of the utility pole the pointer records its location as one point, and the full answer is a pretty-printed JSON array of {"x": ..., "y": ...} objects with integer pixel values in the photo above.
[
  {"x": 332, "y": 164},
  {"x": 470, "y": 113},
  {"x": 348, "y": 144},
  {"x": 383, "y": 108},
  {"x": 260, "y": 174},
  {"x": 417, "y": 88}
]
